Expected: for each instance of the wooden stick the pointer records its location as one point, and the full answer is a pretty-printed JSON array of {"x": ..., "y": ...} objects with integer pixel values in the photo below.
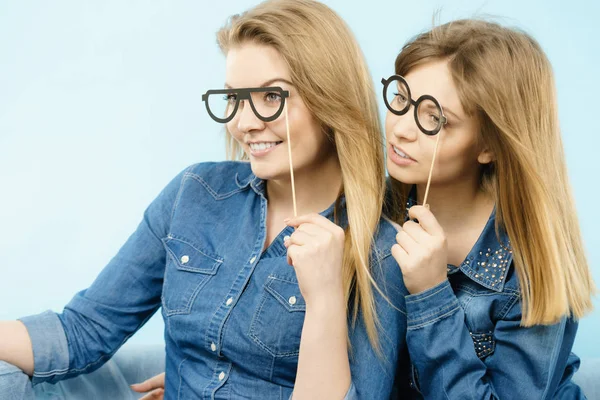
[
  {"x": 287, "y": 127},
  {"x": 431, "y": 169}
]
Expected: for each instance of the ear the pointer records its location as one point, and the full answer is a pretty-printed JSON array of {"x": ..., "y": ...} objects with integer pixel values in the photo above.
[{"x": 486, "y": 156}]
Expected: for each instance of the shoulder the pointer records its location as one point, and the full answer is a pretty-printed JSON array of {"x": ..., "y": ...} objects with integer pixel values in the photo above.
[{"x": 219, "y": 178}]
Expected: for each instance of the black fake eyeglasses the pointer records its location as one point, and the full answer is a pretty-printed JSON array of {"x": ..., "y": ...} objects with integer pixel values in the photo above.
[
  {"x": 267, "y": 103},
  {"x": 428, "y": 112}
]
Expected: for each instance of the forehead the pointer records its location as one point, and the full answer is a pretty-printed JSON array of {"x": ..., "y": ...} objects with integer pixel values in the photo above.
[
  {"x": 251, "y": 65},
  {"x": 434, "y": 78}
]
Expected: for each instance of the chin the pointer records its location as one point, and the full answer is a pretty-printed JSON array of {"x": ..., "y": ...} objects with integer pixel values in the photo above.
[
  {"x": 403, "y": 175},
  {"x": 269, "y": 171}
]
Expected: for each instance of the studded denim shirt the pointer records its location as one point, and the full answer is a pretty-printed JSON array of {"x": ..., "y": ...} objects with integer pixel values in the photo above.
[
  {"x": 465, "y": 339},
  {"x": 233, "y": 312}
]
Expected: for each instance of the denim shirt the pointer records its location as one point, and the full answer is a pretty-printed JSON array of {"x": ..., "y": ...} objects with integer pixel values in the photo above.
[
  {"x": 465, "y": 339},
  {"x": 233, "y": 313}
]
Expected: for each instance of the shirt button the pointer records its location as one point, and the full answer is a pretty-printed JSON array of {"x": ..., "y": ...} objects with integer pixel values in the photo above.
[
  {"x": 292, "y": 300},
  {"x": 213, "y": 347},
  {"x": 222, "y": 376},
  {"x": 252, "y": 260},
  {"x": 185, "y": 259},
  {"x": 229, "y": 301}
]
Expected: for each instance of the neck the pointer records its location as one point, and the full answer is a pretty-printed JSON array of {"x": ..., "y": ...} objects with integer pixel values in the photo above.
[
  {"x": 317, "y": 188},
  {"x": 458, "y": 205}
]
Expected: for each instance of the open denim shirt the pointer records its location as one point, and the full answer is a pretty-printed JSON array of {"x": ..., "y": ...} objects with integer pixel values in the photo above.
[
  {"x": 233, "y": 313},
  {"x": 465, "y": 340}
]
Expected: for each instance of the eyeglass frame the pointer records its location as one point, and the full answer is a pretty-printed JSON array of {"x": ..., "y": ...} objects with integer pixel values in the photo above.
[
  {"x": 415, "y": 104},
  {"x": 245, "y": 94}
]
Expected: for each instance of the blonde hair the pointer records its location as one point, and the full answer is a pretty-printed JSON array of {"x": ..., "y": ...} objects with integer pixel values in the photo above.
[
  {"x": 329, "y": 71},
  {"x": 505, "y": 81}
]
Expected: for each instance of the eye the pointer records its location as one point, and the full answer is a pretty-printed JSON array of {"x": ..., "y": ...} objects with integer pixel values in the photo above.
[
  {"x": 401, "y": 97},
  {"x": 230, "y": 97},
  {"x": 273, "y": 97}
]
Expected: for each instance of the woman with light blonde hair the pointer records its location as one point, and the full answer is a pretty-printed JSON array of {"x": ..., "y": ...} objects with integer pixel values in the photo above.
[
  {"x": 213, "y": 249},
  {"x": 494, "y": 261}
]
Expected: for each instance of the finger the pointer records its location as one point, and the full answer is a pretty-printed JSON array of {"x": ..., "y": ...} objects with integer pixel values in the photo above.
[
  {"x": 416, "y": 231},
  {"x": 408, "y": 243},
  {"x": 157, "y": 394},
  {"x": 400, "y": 255},
  {"x": 292, "y": 253},
  {"x": 311, "y": 229},
  {"x": 313, "y": 218},
  {"x": 298, "y": 238},
  {"x": 426, "y": 219},
  {"x": 156, "y": 382}
]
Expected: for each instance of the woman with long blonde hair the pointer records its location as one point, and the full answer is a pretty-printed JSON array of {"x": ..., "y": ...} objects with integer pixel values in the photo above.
[
  {"x": 494, "y": 261},
  {"x": 213, "y": 248}
]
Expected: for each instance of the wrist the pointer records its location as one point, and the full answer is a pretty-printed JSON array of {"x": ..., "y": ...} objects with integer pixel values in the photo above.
[{"x": 329, "y": 303}]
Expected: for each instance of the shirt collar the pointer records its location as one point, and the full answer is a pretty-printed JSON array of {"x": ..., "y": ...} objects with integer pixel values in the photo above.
[
  {"x": 489, "y": 260},
  {"x": 245, "y": 179}
]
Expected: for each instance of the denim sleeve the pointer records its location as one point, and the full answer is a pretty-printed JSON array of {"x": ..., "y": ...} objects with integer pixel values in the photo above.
[
  {"x": 372, "y": 371},
  {"x": 527, "y": 362},
  {"x": 98, "y": 320}
]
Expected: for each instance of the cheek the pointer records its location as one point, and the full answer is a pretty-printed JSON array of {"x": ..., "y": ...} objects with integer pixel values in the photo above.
[
  {"x": 390, "y": 120},
  {"x": 456, "y": 157},
  {"x": 232, "y": 129}
]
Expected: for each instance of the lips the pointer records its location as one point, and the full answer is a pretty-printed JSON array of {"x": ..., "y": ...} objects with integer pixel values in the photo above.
[
  {"x": 398, "y": 150},
  {"x": 262, "y": 148}
]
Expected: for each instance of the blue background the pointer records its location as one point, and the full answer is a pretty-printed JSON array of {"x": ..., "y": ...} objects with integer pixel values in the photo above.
[{"x": 100, "y": 106}]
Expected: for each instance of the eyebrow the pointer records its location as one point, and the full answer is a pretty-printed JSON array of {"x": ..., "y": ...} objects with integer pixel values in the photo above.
[{"x": 265, "y": 84}]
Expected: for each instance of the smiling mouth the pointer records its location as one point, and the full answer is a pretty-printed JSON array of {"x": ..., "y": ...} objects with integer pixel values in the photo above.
[
  {"x": 401, "y": 153},
  {"x": 263, "y": 146}
]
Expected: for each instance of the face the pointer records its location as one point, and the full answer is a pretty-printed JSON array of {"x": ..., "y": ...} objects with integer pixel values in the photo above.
[
  {"x": 410, "y": 151},
  {"x": 265, "y": 143}
]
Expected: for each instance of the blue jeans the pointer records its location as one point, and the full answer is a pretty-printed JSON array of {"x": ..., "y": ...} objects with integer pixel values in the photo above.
[{"x": 131, "y": 364}]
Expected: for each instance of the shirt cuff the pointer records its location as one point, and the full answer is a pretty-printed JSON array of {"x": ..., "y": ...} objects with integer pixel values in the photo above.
[
  {"x": 431, "y": 305},
  {"x": 50, "y": 347}
]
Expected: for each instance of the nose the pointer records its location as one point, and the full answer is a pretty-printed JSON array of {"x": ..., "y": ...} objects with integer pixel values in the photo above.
[
  {"x": 402, "y": 126},
  {"x": 247, "y": 120}
]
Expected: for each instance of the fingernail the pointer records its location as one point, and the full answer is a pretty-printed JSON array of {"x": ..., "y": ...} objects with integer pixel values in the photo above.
[{"x": 286, "y": 238}]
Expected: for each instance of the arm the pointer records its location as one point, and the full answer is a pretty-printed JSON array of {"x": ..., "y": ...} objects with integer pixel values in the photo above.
[
  {"x": 323, "y": 365},
  {"x": 371, "y": 374},
  {"x": 15, "y": 346},
  {"x": 315, "y": 250},
  {"x": 98, "y": 320},
  {"x": 526, "y": 363}
]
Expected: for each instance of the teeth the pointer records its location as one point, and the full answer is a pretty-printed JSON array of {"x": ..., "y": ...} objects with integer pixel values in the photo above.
[
  {"x": 401, "y": 154},
  {"x": 262, "y": 146}
]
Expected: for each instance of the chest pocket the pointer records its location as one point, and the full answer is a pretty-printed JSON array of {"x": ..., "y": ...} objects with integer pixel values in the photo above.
[
  {"x": 187, "y": 270},
  {"x": 277, "y": 323},
  {"x": 484, "y": 344}
]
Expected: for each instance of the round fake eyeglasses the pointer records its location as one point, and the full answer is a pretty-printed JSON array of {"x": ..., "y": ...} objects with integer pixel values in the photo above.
[
  {"x": 267, "y": 103},
  {"x": 428, "y": 112}
]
